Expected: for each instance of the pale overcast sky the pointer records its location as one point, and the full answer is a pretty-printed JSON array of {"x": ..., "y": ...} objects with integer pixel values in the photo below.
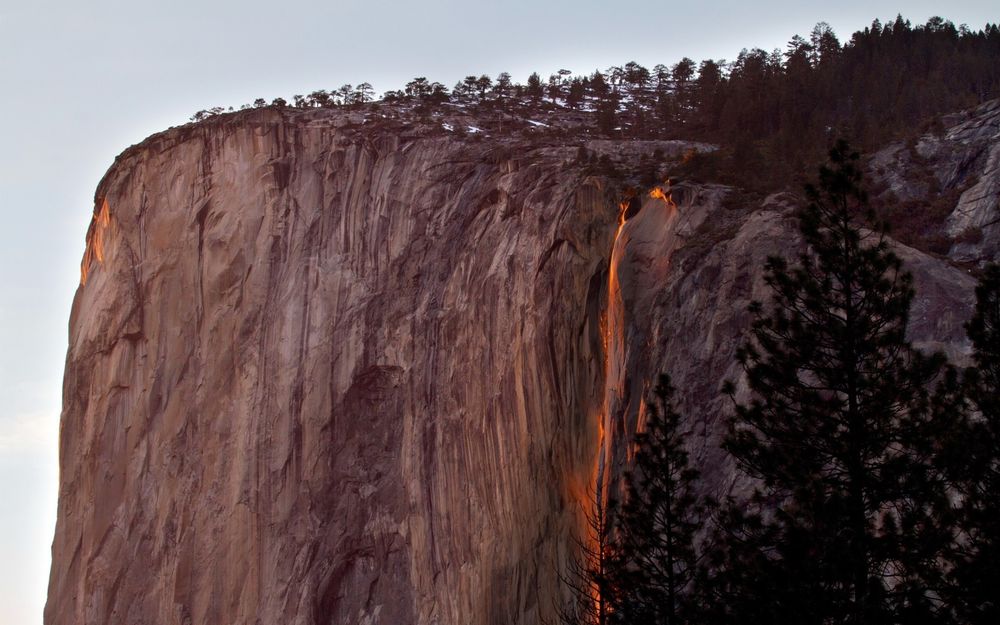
[{"x": 83, "y": 79}]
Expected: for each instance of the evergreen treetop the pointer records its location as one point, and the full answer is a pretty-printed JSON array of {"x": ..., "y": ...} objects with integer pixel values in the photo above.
[
  {"x": 658, "y": 522},
  {"x": 839, "y": 402}
]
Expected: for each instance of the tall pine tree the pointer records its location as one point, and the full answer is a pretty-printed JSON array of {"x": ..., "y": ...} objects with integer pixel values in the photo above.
[
  {"x": 839, "y": 404},
  {"x": 590, "y": 578},
  {"x": 974, "y": 464},
  {"x": 656, "y": 567}
]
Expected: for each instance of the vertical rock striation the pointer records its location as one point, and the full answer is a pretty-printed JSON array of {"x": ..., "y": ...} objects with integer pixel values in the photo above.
[{"x": 320, "y": 375}]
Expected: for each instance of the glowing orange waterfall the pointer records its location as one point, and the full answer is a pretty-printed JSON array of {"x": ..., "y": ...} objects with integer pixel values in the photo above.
[
  {"x": 614, "y": 352},
  {"x": 659, "y": 193},
  {"x": 614, "y": 335},
  {"x": 614, "y": 330}
]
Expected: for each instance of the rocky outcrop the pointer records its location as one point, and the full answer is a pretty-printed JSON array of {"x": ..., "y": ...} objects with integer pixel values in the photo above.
[
  {"x": 321, "y": 372},
  {"x": 978, "y": 158},
  {"x": 690, "y": 274},
  {"x": 961, "y": 159}
]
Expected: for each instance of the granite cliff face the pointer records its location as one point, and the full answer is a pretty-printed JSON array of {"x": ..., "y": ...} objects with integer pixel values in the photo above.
[
  {"x": 324, "y": 373},
  {"x": 320, "y": 375}
]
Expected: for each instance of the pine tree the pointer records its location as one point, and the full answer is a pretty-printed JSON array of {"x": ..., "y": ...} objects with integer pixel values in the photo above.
[
  {"x": 503, "y": 86},
  {"x": 607, "y": 113},
  {"x": 534, "y": 90},
  {"x": 984, "y": 332},
  {"x": 974, "y": 464},
  {"x": 657, "y": 525},
  {"x": 363, "y": 93},
  {"x": 837, "y": 418},
  {"x": 590, "y": 578}
]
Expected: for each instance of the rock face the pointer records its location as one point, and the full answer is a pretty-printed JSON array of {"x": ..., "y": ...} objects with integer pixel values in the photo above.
[
  {"x": 963, "y": 158},
  {"x": 321, "y": 376},
  {"x": 688, "y": 277},
  {"x": 320, "y": 373}
]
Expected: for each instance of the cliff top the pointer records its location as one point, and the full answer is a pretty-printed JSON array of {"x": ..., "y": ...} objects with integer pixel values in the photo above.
[{"x": 497, "y": 135}]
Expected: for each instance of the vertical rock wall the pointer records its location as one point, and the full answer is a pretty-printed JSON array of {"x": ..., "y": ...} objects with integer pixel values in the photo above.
[{"x": 323, "y": 375}]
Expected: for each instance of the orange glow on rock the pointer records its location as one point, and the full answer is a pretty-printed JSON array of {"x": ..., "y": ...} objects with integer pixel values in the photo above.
[
  {"x": 660, "y": 193},
  {"x": 96, "y": 238},
  {"x": 613, "y": 333},
  {"x": 591, "y": 491},
  {"x": 613, "y": 338}
]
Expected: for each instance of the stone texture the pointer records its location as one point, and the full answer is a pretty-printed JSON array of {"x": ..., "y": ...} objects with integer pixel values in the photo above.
[
  {"x": 689, "y": 275},
  {"x": 325, "y": 373},
  {"x": 318, "y": 375},
  {"x": 964, "y": 157}
]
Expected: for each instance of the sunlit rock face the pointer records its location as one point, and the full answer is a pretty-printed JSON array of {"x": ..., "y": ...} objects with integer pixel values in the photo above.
[{"x": 325, "y": 373}]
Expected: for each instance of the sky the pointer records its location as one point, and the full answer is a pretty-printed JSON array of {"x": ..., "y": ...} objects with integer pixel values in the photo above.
[{"x": 83, "y": 80}]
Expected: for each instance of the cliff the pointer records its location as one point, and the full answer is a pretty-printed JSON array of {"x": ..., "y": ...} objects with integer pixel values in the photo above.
[{"x": 326, "y": 371}]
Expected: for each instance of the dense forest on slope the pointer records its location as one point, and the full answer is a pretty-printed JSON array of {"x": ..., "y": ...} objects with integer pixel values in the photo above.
[{"x": 773, "y": 112}]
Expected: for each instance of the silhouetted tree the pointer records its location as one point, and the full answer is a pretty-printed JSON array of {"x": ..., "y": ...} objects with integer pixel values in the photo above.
[
  {"x": 346, "y": 94},
  {"x": 575, "y": 94},
  {"x": 417, "y": 88},
  {"x": 438, "y": 93},
  {"x": 483, "y": 85},
  {"x": 838, "y": 418},
  {"x": 534, "y": 88},
  {"x": 319, "y": 98},
  {"x": 599, "y": 87},
  {"x": 466, "y": 88},
  {"x": 656, "y": 562},
  {"x": 590, "y": 578},
  {"x": 824, "y": 43},
  {"x": 675, "y": 108},
  {"x": 607, "y": 113},
  {"x": 974, "y": 464},
  {"x": 636, "y": 77},
  {"x": 363, "y": 93},
  {"x": 614, "y": 75},
  {"x": 554, "y": 88},
  {"x": 503, "y": 87}
]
